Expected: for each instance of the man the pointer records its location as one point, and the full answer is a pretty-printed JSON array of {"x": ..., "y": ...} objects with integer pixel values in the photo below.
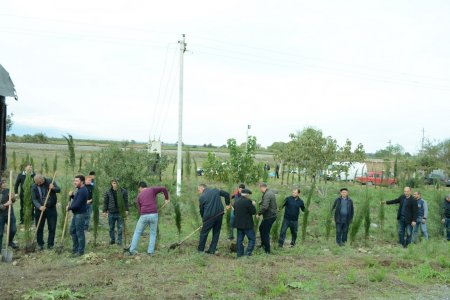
[
  {"x": 19, "y": 188},
  {"x": 277, "y": 171},
  {"x": 148, "y": 211},
  {"x": 5, "y": 203},
  {"x": 78, "y": 208},
  {"x": 111, "y": 208},
  {"x": 446, "y": 215},
  {"x": 211, "y": 211},
  {"x": 39, "y": 191},
  {"x": 293, "y": 205},
  {"x": 422, "y": 214},
  {"x": 406, "y": 215},
  {"x": 244, "y": 209},
  {"x": 90, "y": 187},
  {"x": 234, "y": 197},
  {"x": 343, "y": 215},
  {"x": 268, "y": 209}
]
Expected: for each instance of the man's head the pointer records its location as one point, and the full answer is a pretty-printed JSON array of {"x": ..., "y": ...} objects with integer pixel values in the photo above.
[
  {"x": 295, "y": 193},
  {"x": 78, "y": 181},
  {"x": 28, "y": 167},
  {"x": 142, "y": 185},
  {"x": 88, "y": 180},
  {"x": 3, "y": 184},
  {"x": 92, "y": 174},
  {"x": 407, "y": 191},
  {"x": 417, "y": 195},
  {"x": 343, "y": 192},
  {"x": 246, "y": 193},
  {"x": 114, "y": 184},
  {"x": 241, "y": 187},
  {"x": 448, "y": 197},
  {"x": 263, "y": 187},
  {"x": 201, "y": 188},
  {"x": 39, "y": 179}
]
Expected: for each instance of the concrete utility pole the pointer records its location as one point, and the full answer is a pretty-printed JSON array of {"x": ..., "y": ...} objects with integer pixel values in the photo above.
[
  {"x": 246, "y": 138},
  {"x": 180, "y": 117}
]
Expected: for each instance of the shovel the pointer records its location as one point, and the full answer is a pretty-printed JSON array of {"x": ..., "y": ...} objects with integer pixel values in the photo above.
[
  {"x": 60, "y": 248},
  {"x": 7, "y": 254},
  {"x": 32, "y": 247},
  {"x": 176, "y": 245}
]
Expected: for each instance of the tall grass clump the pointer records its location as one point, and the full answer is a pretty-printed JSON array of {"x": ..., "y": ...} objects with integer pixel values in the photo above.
[
  {"x": 177, "y": 216},
  {"x": 381, "y": 212},
  {"x": 328, "y": 219},
  {"x": 14, "y": 161},
  {"x": 361, "y": 216},
  {"x": 121, "y": 206},
  {"x": 275, "y": 231},
  {"x": 306, "y": 214},
  {"x": 95, "y": 210},
  {"x": 55, "y": 163},
  {"x": 27, "y": 218},
  {"x": 188, "y": 164},
  {"x": 71, "y": 149}
]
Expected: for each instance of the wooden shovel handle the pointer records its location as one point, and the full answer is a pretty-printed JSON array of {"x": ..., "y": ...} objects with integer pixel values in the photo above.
[{"x": 9, "y": 208}]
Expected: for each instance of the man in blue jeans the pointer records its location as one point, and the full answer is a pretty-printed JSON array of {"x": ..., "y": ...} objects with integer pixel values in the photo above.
[
  {"x": 292, "y": 205},
  {"x": 148, "y": 211},
  {"x": 211, "y": 210},
  {"x": 446, "y": 215},
  {"x": 78, "y": 208},
  {"x": 422, "y": 215},
  {"x": 406, "y": 216},
  {"x": 244, "y": 209},
  {"x": 111, "y": 208}
]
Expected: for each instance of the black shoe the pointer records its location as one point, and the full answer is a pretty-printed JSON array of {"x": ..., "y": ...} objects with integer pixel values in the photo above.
[
  {"x": 14, "y": 246},
  {"x": 112, "y": 242}
]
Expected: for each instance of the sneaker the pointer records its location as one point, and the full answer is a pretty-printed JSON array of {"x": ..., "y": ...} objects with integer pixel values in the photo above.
[{"x": 13, "y": 245}]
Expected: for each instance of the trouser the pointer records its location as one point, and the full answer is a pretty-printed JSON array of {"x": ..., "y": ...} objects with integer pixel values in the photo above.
[
  {"x": 22, "y": 209},
  {"x": 152, "y": 221},
  {"x": 293, "y": 226},
  {"x": 231, "y": 231},
  {"x": 12, "y": 228},
  {"x": 341, "y": 233},
  {"x": 423, "y": 228},
  {"x": 50, "y": 215},
  {"x": 264, "y": 232},
  {"x": 215, "y": 224},
  {"x": 77, "y": 233},
  {"x": 251, "y": 236},
  {"x": 114, "y": 218},
  {"x": 404, "y": 233},
  {"x": 447, "y": 227},
  {"x": 87, "y": 217}
]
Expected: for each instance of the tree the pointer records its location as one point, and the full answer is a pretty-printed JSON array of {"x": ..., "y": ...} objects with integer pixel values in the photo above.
[{"x": 9, "y": 122}]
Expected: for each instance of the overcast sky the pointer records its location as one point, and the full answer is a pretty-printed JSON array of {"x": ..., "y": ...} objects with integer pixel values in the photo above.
[{"x": 371, "y": 71}]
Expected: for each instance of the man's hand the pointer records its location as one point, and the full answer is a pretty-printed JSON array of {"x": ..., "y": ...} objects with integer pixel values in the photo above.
[
  {"x": 424, "y": 221},
  {"x": 70, "y": 193},
  {"x": 254, "y": 203},
  {"x": 443, "y": 221},
  {"x": 126, "y": 213},
  {"x": 51, "y": 186},
  {"x": 104, "y": 214},
  {"x": 8, "y": 203},
  {"x": 413, "y": 224},
  {"x": 90, "y": 201},
  {"x": 68, "y": 206},
  {"x": 257, "y": 216},
  {"x": 228, "y": 207},
  {"x": 167, "y": 200},
  {"x": 42, "y": 208}
]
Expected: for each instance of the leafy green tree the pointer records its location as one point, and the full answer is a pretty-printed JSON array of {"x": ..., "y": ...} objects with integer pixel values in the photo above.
[{"x": 71, "y": 149}]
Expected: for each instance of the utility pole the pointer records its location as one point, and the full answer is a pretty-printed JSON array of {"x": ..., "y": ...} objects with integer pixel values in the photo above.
[
  {"x": 423, "y": 138},
  {"x": 246, "y": 139},
  {"x": 180, "y": 117}
]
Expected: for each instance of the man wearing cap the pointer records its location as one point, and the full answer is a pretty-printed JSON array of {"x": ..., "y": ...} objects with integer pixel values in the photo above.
[
  {"x": 244, "y": 209},
  {"x": 292, "y": 206},
  {"x": 268, "y": 209},
  {"x": 343, "y": 215},
  {"x": 211, "y": 210},
  {"x": 406, "y": 215},
  {"x": 234, "y": 197},
  {"x": 446, "y": 215}
]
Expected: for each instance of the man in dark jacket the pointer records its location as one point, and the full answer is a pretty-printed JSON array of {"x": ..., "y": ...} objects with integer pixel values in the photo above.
[
  {"x": 18, "y": 188},
  {"x": 211, "y": 210},
  {"x": 78, "y": 208},
  {"x": 90, "y": 187},
  {"x": 343, "y": 215},
  {"x": 49, "y": 213},
  {"x": 446, "y": 215},
  {"x": 292, "y": 206},
  {"x": 5, "y": 203},
  {"x": 406, "y": 215},
  {"x": 268, "y": 209},
  {"x": 234, "y": 197},
  {"x": 244, "y": 209},
  {"x": 111, "y": 208}
]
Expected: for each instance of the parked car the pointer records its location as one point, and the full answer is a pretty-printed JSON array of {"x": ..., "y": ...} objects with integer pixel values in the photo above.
[
  {"x": 200, "y": 171},
  {"x": 376, "y": 178},
  {"x": 435, "y": 178}
]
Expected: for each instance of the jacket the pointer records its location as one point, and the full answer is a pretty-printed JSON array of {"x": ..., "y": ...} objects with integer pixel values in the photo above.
[
  {"x": 210, "y": 203},
  {"x": 268, "y": 205},
  {"x": 110, "y": 200},
  {"x": 146, "y": 200},
  {"x": 411, "y": 208},
  {"x": 446, "y": 209},
  {"x": 79, "y": 202},
  {"x": 39, "y": 193},
  {"x": 337, "y": 212},
  {"x": 292, "y": 208},
  {"x": 20, "y": 182},
  {"x": 4, "y": 197},
  {"x": 422, "y": 212},
  {"x": 243, "y": 213}
]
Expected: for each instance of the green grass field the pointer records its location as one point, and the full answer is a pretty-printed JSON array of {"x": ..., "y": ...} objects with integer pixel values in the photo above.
[{"x": 376, "y": 268}]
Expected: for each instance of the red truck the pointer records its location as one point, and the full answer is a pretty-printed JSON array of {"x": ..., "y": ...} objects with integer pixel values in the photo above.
[{"x": 376, "y": 178}]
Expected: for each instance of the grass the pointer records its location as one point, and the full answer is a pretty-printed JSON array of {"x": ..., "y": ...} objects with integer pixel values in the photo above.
[{"x": 314, "y": 269}]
